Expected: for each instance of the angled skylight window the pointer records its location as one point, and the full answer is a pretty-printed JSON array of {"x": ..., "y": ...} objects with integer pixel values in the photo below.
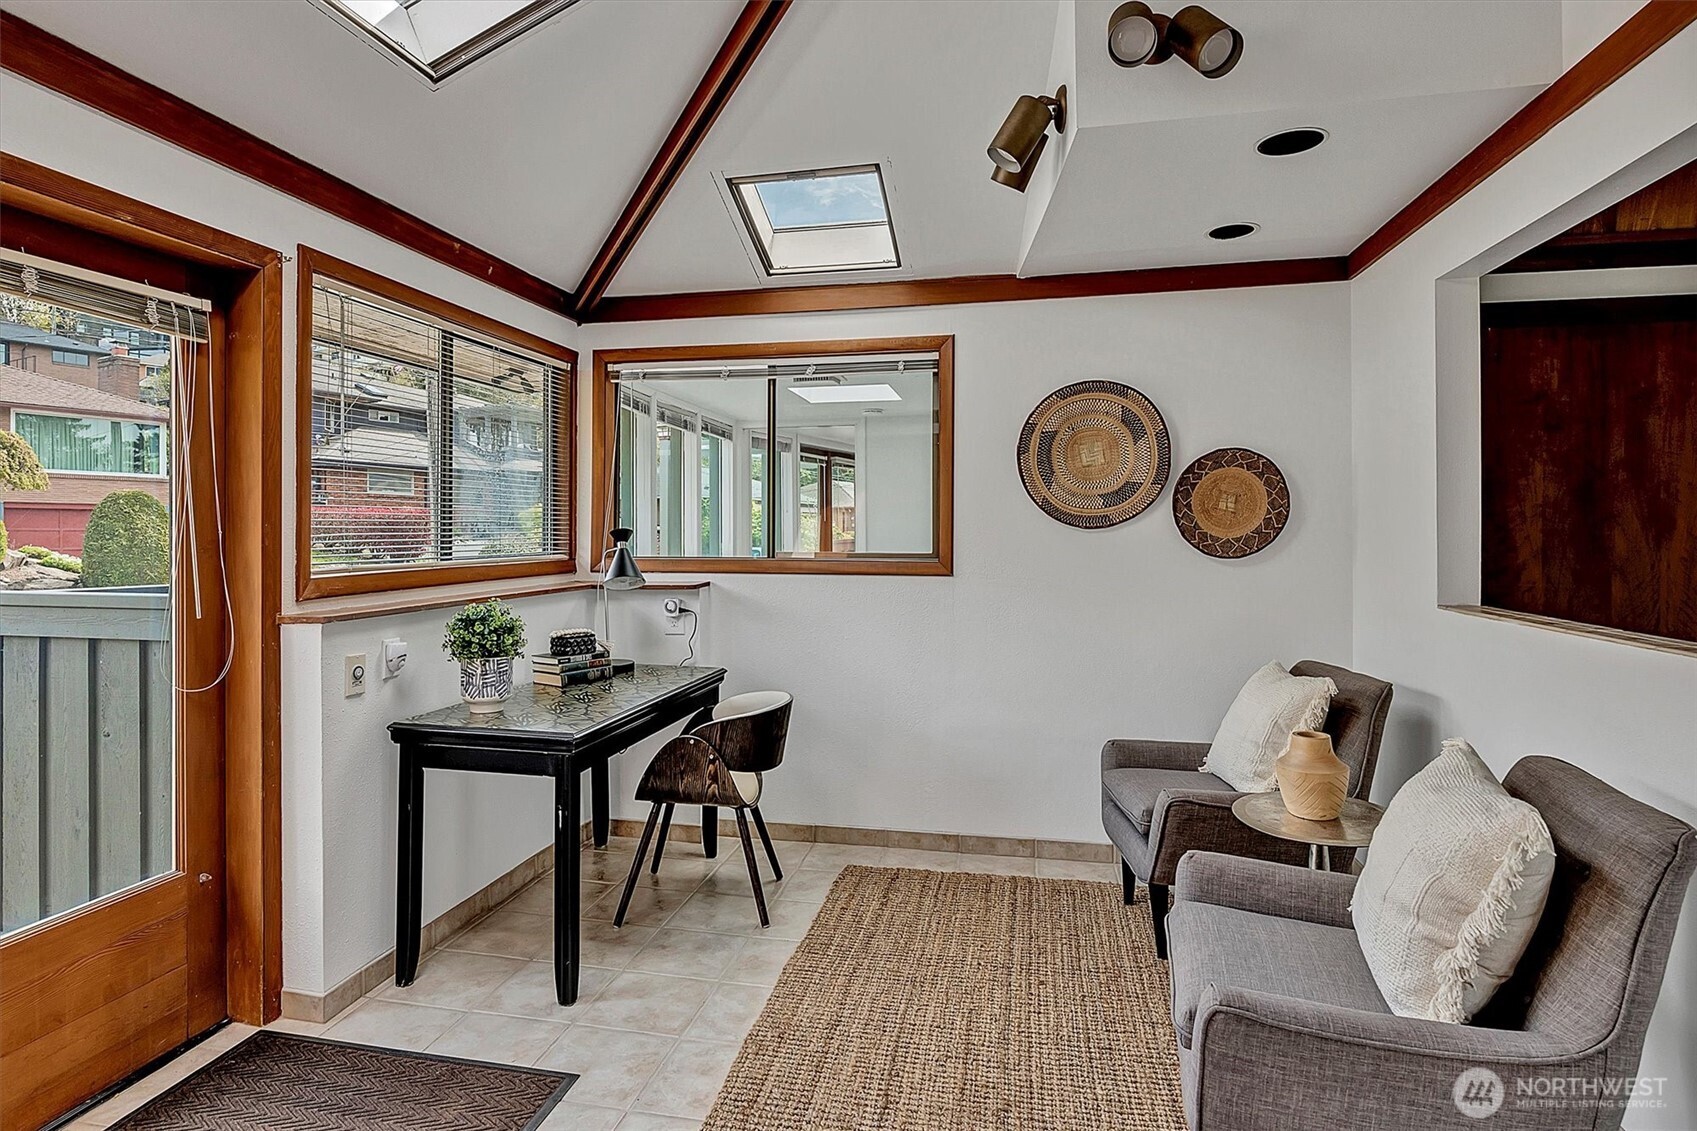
[
  {"x": 439, "y": 37},
  {"x": 819, "y": 220}
]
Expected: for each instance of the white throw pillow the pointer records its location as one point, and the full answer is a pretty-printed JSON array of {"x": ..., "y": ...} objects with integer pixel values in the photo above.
[
  {"x": 1254, "y": 732},
  {"x": 1452, "y": 890}
]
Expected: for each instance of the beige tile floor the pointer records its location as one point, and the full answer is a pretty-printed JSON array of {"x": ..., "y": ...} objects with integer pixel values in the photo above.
[{"x": 664, "y": 1002}]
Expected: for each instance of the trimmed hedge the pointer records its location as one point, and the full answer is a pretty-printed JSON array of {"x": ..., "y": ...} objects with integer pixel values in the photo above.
[{"x": 127, "y": 542}]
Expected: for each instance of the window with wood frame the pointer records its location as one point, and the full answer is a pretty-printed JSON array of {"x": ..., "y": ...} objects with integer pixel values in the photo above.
[
  {"x": 435, "y": 445},
  {"x": 795, "y": 457}
]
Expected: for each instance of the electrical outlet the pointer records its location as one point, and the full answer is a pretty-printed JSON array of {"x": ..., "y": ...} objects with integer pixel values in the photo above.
[
  {"x": 353, "y": 675},
  {"x": 675, "y": 613},
  {"x": 394, "y": 657}
]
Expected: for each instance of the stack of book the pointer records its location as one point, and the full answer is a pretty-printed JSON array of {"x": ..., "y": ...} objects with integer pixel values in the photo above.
[{"x": 558, "y": 671}]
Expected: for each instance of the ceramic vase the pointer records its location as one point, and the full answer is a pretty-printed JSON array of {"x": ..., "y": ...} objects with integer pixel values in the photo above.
[
  {"x": 486, "y": 684},
  {"x": 1312, "y": 779}
]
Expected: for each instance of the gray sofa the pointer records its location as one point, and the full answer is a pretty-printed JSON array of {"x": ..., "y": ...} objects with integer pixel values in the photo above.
[
  {"x": 1156, "y": 805},
  {"x": 1281, "y": 1025}
]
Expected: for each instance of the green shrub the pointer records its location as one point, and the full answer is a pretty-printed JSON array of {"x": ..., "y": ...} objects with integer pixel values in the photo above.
[
  {"x": 486, "y": 630},
  {"x": 20, "y": 470},
  {"x": 51, "y": 558},
  {"x": 127, "y": 542},
  {"x": 4, "y": 545}
]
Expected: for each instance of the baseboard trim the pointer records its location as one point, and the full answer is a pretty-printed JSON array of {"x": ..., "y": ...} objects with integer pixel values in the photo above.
[
  {"x": 690, "y": 832},
  {"x": 302, "y": 1005}
]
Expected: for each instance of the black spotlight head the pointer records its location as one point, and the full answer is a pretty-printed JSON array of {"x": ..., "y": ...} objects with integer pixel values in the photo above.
[
  {"x": 1286, "y": 142},
  {"x": 1232, "y": 231}
]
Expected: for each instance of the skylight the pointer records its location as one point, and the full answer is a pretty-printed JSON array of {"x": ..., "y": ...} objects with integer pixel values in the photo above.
[
  {"x": 845, "y": 394},
  {"x": 438, "y": 37},
  {"x": 819, "y": 220}
]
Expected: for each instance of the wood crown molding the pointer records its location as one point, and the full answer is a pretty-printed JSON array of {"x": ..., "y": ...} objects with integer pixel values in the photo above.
[
  {"x": 969, "y": 289},
  {"x": 747, "y": 38},
  {"x": 48, "y": 61},
  {"x": 1628, "y": 45}
]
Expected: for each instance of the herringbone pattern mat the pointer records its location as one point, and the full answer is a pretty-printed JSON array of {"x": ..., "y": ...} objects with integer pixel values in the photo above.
[
  {"x": 944, "y": 1001},
  {"x": 281, "y": 1082}
]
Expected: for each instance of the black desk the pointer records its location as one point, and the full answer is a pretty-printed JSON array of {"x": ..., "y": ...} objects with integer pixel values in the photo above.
[{"x": 546, "y": 732}]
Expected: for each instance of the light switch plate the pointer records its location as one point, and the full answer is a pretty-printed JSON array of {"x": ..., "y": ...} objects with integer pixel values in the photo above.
[{"x": 353, "y": 675}]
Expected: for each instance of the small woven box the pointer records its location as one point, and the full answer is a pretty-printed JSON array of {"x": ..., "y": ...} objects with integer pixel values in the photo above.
[{"x": 572, "y": 642}]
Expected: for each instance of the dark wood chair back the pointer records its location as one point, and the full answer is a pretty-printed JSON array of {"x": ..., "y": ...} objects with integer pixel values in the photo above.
[{"x": 749, "y": 730}]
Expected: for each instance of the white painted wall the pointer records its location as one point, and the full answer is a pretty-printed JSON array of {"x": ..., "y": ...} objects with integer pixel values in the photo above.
[
  {"x": 338, "y": 769},
  {"x": 978, "y": 703},
  {"x": 893, "y": 468},
  {"x": 1626, "y": 714}
]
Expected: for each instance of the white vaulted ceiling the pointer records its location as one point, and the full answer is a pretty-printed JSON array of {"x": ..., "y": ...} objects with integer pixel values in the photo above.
[{"x": 532, "y": 153}]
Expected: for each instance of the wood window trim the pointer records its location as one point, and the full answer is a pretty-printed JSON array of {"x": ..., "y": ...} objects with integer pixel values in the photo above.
[
  {"x": 65, "y": 218},
  {"x": 314, "y": 265},
  {"x": 604, "y": 403}
]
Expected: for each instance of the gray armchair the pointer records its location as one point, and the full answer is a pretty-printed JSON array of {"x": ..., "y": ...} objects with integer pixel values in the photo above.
[
  {"x": 1156, "y": 805},
  {"x": 1280, "y": 1023}
]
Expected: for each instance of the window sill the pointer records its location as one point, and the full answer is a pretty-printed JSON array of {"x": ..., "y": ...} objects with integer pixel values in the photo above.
[
  {"x": 1575, "y": 628},
  {"x": 866, "y": 567},
  {"x": 316, "y": 613}
]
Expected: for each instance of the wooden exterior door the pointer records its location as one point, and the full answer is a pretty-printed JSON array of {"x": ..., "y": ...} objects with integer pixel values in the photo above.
[{"x": 112, "y": 806}]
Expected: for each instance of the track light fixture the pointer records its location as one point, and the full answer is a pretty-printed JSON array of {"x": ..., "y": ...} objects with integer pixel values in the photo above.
[
  {"x": 1137, "y": 35},
  {"x": 1020, "y": 142}
]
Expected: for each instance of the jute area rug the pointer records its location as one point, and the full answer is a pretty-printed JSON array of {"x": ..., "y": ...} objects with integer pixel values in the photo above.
[{"x": 936, "y": 1001}]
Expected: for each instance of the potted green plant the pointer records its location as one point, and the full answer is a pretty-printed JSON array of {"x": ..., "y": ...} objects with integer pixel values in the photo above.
[{"x": 484, "y": 637}]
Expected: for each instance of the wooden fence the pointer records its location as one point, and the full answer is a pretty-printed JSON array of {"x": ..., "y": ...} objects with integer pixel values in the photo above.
[{"x": 86, "y": 759}]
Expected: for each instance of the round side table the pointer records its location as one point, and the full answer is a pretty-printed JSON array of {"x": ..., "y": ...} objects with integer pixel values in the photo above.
[{"x": 1353, "y": 828}]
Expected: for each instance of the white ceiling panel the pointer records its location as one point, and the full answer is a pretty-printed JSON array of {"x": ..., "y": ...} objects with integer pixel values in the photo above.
[
  {"x": 918, "y": 86},
  {"x": 529, "y": 154},
  {"x": 1146, "y": 194}
]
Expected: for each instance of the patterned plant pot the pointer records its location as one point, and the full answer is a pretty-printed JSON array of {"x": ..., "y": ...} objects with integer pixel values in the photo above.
[{"x": 486, "y": 684}]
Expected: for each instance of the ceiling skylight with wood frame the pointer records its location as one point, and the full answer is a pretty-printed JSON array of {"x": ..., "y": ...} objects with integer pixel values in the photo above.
[
  {"x": 818, "y": 220},
  {"x": 437, "y": 38}
]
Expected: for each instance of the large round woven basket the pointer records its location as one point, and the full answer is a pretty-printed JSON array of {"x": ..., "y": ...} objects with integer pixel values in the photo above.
[
  {"x": 1231, "y": 503},
  {"x": 1094, "y": 454}
]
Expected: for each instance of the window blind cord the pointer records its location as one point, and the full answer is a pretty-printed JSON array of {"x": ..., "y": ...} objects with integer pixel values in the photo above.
[{"x": 188, "y": 513}]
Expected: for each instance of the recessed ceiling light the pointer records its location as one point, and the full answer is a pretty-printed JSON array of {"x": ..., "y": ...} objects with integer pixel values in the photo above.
[
  {"x": 1286, "y": 142},
  {"x": 844, "y": 394},
  {"x": 1232, "y": 231}
]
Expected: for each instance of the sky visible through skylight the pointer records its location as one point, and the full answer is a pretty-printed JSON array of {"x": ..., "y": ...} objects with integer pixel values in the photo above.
[{"x": 843, "y": 198}]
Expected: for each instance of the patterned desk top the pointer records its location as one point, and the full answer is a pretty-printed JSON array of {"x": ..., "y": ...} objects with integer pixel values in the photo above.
[{"x": 569, "y": 712}]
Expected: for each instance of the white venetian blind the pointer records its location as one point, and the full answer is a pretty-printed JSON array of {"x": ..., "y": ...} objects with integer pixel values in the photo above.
[{"x": 430, "y": 445}]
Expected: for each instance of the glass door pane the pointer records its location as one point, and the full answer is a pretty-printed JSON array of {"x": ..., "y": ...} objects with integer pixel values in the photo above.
[{"x": 87, "y": 710}]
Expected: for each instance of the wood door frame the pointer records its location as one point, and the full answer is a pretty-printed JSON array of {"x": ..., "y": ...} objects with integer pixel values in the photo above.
[{"x": 60, "y": 216}]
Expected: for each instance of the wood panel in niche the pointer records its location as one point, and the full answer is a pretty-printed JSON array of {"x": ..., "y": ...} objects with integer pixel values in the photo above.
[{"x": 1589, "y": 436}]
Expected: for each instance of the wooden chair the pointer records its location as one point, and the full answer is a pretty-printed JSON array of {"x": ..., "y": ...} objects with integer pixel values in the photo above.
[{"x": 717, "y": 761}]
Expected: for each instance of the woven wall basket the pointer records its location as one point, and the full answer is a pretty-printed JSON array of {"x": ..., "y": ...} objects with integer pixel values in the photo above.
[
  {"x": 1094, "y": 454},
  {"x": 1231, "y": 503}
]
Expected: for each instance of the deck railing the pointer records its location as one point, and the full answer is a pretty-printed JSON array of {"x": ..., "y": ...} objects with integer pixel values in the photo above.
[{"x": 86, "y": 759}]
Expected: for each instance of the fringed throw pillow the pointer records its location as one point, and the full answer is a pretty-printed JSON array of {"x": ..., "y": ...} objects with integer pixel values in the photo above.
[
  {"x": 1256, "y": 728},
  {"x": 1455, "y": 881}
]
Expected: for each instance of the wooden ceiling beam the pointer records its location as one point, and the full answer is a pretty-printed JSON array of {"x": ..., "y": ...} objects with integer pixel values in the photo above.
[
  {"x": 747, "y": 38},
  {"x": 969, "y": 289},
  {"x": 1627, "y": 46}
]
